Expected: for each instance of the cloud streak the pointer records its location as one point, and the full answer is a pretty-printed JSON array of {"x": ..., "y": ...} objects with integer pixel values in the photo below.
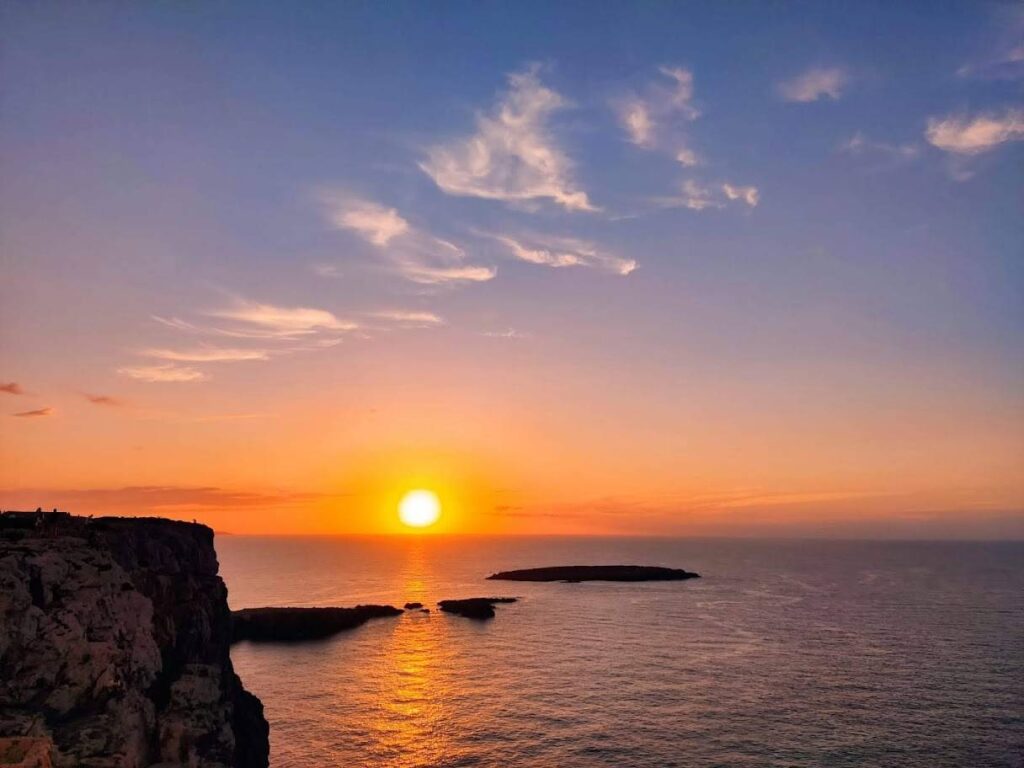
[
  {"x": 513, "y": 156},
  {"x": 813, "y": 85},
  {"x": 105, "y": 400},
  {"x": 256, "y": 320},
  {"x": 552, "y": 251},
  {"x": 859, "y": 144},
  {"x": 409, "y": 317},
  {"x": 12, "y": 388},
  {"x": 163, "y": 374},
  {"x": 39, "y": 412},
  {"x": 416, "y": 255},
  {"x": 207, "y": 355}
]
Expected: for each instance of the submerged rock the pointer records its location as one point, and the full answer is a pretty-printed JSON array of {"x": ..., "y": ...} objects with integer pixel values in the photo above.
[
  {"x": 572, "y": 574},
  {"x": 114, "y": 647},
  {"x": 295, "y": 624},
  {"x": 413, "y": 606},
  {"x": 474, "y": 607}
]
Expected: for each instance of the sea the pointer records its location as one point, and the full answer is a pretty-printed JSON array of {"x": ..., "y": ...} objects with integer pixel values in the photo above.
[{"x": 784, "y": 653}]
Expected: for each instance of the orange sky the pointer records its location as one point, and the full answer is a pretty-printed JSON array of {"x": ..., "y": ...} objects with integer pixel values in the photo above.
[{"x": 693, "y": 280}]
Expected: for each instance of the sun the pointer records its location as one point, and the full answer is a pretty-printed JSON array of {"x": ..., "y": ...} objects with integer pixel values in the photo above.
[{"x": 418, "y": 509}]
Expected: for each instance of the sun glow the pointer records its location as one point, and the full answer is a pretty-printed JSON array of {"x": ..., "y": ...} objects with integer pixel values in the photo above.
[{"x": 418, "y": 509}]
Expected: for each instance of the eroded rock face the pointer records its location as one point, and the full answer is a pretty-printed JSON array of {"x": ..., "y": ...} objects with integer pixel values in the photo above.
[{"x": 114, "y": 645}]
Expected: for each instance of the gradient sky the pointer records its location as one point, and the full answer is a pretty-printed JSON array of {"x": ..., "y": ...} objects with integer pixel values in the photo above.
[{"x": 683, "y": 269}]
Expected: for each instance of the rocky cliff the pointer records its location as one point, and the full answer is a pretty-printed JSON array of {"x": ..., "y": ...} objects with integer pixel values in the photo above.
[{"x": 114, "y": 647}]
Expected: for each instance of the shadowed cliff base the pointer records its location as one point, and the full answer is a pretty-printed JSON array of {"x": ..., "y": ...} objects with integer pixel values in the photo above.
[
  {"x": 576, "y": 573},
  {"x": 114, "y": 646},
  {"x": 290, "y": 625}
]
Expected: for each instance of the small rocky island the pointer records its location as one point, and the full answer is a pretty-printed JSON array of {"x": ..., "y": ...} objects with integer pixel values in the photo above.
[
  {"x": 288, "y": 625},
  {"x": 577, "y": 573},
  {"x": 474, "y": 607},
  {"x": 115, "y": 647}
]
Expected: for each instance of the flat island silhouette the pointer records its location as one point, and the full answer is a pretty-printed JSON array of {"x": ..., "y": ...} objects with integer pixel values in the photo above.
[
  {"x": 576, "y": 573},
  {"x": 295, "y": 624}
]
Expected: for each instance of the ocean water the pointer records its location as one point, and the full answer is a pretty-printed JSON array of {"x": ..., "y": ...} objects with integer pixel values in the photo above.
[{"x": 786, "y": 653}]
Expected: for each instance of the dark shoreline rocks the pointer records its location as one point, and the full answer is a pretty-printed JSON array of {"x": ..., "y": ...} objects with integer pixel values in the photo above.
[
  {"x": 413, "y": 606},
  {"x": 474, "y": 607},
  {"x": 577, "y": 573},
  {"x": 290, "y": 625},
  {"x": 115, "y": 646}
]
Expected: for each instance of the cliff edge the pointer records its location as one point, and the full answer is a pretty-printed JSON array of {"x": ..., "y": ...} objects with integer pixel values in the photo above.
[{"x": 114, "y": 646}]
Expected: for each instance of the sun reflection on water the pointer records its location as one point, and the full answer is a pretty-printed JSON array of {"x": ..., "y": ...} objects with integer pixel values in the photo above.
[{"x": 415, "y": 684}]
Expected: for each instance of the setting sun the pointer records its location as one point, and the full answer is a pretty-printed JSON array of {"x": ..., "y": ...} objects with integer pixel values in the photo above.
[{"x": 418, "y": 509}]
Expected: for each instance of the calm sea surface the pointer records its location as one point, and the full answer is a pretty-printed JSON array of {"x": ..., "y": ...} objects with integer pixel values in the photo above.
[{"x": 784, "y": 654}]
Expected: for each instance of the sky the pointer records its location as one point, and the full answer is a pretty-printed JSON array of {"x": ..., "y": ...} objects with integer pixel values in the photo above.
[{"x": 684, "y": 269}]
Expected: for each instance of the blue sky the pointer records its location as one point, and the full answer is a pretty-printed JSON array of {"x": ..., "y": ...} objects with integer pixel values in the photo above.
[{"x": 814, "y": 207}]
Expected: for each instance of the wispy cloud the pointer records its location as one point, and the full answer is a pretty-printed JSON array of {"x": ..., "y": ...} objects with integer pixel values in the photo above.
[
  {"x": 652, "y": 120},
  {"x": 374, "y": 222},
  {"x": 748, "y": 195},
  {"x": 1006, "y": 64},
  {"x": 1002, "y": 57},
  {"x": 814, "y": 84},
  {"x": 859, "y": 144},
  {"x": 106, "y": 400},
  {"x": 552, "y": 251},
  {"x": 168, "y": 373},
  {"x": 965, "y": 135},
  {"x": 409, "y": 317},
  {"x": 417, "y": 255},
  {"x": 513, "y": 156},
  {"x": 12, "y": 388},
  {"x": 508, "y": 333},
  {"x": 262, "y": 320},
  {"x": 281, "y": 330},
  {"x": 699, "y": 197},
  {"x": 35, "y": 414},
  {"x": 207, "y": 355}
]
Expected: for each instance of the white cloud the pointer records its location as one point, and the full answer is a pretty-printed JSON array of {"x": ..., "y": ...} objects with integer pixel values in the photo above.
[
  {"x": 973, "y": 135},
  {"x": 748, "y": 195},
  {"x": 652, "y": 120},
  {"x": 417, "y": 255},
  {"x": 554, "y": 251},
  {"x": 375, "y": 223},
  {"x": 162, "y": 373},
  {"x": 207, "y": 355},
  {"x": 814, "y": 84},
  {"x": 512, "y": 157}
]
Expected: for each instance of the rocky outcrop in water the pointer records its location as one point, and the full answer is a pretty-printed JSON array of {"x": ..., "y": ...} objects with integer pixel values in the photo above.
[
  {"x": 474, "y": 607},
  {"x": 114, "y": 647},
  {"x": 575, "y": 573},
  {"x": 296, "y": 624}
]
